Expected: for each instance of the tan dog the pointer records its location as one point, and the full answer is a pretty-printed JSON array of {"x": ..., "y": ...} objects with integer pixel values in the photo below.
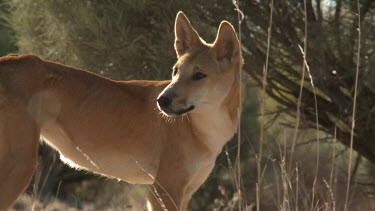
[{"x": 115, "y": 128}]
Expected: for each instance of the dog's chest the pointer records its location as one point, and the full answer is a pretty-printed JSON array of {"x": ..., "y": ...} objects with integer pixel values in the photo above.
[{"x": 212, "y": 132}]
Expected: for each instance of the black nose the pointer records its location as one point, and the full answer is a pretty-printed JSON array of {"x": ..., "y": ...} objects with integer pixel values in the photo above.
[{"x": 164, "y": 101}]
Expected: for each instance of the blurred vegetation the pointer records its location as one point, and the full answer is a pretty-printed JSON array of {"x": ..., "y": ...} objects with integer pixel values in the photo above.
[
  {"x": 127, "y": 39},
  {"x": 332, "y": 38},
  {"x": 7, "y": 39}
]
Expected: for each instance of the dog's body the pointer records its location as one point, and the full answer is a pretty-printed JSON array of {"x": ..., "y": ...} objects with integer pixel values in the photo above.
[{"x": 116, "y": 128}]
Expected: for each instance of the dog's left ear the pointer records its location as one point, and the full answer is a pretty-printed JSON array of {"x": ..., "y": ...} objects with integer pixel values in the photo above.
[{"x": 226, "y": 45}]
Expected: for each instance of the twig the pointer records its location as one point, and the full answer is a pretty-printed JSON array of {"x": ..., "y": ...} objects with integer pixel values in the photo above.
[
  {"x": 355, "y": 169},
  {"x": 261, "y": 140},
  {"x": 240, "y": 17},
  {"x": 333, "y": 167},
  {"x": 298, "y": 112},
  {"x": 38, "y": 174},
  {"x": 354, "y": 107}
]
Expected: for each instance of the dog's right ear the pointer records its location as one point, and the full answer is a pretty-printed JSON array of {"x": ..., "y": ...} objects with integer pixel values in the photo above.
[{"x": 185, "y": 35}]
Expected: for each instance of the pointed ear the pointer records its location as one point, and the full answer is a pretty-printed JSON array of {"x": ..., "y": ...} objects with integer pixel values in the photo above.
[
  {"x": 185, "y": 35},
  {"x": 226, "y": 44}
]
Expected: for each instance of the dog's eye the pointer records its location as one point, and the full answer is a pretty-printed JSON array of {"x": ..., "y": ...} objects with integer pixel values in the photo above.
[
  {"x": 198, "y": 76},
  {"x": 174, "y": 72}
]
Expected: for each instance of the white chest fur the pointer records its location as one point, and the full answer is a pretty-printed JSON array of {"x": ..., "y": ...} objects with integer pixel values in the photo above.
[{"x": 214, "y": 129}]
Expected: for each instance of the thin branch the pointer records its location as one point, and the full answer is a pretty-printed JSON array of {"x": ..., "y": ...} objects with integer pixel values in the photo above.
[
  {"x": 298, "y": 112},
  {"x": 354, "y": 107},
  {"x": 240, "y": 17},
  {"x": 261, "y": 139}
]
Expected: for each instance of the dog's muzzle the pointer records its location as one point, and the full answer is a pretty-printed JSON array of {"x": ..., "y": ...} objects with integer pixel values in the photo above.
[{"x": 164, "y": 104}]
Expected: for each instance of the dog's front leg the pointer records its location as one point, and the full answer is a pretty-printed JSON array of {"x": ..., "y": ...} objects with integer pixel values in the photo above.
[
  {"x": 169, "y": 187},
  {"x": 19, "y": 138},
  {"x": 164, "y": 197}
]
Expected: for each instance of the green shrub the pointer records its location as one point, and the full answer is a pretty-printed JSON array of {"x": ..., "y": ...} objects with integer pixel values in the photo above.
[{"x": 7, "y": 40}]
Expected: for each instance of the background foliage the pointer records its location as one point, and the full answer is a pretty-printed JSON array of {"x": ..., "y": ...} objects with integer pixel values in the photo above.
[
  {"x": 7, "y": 40},
  {"x": 134, "y": 40}
]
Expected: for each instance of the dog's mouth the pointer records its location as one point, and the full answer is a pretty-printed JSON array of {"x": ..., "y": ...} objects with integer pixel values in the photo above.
[{"x": 170, "y": 112}]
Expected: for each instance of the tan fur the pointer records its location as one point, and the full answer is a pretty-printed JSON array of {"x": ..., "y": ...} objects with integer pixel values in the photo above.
[{"x": 115, "y": 128}]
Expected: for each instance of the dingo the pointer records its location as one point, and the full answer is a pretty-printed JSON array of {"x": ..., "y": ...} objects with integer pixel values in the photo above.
[{"x": 119, "y": 128}]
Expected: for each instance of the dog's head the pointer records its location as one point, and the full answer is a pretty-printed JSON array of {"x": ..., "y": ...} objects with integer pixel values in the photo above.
[{"x": 204, "y": 73}]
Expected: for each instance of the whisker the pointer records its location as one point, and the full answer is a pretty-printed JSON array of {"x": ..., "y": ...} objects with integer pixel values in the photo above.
[{"x": 187, "y": 116}]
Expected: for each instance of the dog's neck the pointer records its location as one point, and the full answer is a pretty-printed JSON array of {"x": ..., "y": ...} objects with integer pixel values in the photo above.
[{"x": 218, "y": 126}]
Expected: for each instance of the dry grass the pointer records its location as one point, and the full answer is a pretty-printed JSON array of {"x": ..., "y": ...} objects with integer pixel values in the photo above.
[
  {"x": 354, "y": 108},
  {"x": 91, "y": 195}
]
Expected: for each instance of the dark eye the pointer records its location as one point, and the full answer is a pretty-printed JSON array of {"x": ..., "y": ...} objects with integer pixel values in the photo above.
[
  {"x": 175, "y": 70},
  {"x": 198, "y": 76}
]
